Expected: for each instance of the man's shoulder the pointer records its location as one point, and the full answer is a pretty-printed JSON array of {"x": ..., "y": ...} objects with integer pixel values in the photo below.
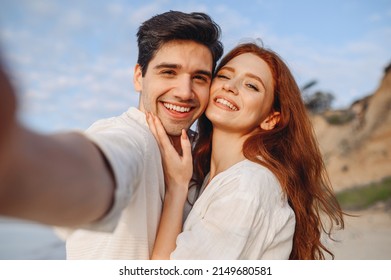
[
  {"x": 129, "y": 119},
  {"x": 126, "y": 131}
]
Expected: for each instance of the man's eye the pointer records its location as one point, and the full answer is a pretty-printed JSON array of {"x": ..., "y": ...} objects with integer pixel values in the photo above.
[
  {"x": 168, "y": 72},
  {"x": 201, "y": 78}
]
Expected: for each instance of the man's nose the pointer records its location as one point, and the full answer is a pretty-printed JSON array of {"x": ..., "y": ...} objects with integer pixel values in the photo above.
[{"x": 184, "y": 89}]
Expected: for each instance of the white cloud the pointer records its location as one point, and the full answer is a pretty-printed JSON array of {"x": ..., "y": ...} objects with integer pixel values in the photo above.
[
  {"x": 349, "y": 70},
  {"x": 77, "y": 60},
  {"x": 40, "y": 7},
  {"x": 142, "y": 13},
  {"x": 375, "y": 17},
  {"x": 115, "y": 9}
]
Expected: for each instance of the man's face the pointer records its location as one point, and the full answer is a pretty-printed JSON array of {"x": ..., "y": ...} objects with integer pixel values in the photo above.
[{"x": 176, "y": 85}]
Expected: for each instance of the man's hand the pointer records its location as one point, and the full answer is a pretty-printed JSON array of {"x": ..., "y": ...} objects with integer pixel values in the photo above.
[
  {"x": 59, "y": 179},
  {"x": 7, "y": 114}
]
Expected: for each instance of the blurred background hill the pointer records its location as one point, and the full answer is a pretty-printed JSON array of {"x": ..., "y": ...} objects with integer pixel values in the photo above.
[
  {"x": 356, "y": 145},
  {"x": 356, "y": 142},
  {"x": 73, "y": 64}
]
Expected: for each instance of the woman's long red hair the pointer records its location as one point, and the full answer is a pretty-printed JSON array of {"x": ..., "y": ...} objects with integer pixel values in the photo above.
[{"x": 291, "y": 152}]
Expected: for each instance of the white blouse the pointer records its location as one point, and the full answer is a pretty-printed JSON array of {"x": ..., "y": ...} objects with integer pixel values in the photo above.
[{"x": 241, "y": 214}]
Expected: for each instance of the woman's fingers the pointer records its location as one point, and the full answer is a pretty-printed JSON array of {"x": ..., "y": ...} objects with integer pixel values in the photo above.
[
  {"x": 186, "y": 147},
  {"x": 164, "y": 140},
  {"x": 158, "y": 131},
  {"x": 178, "y": 168},
  {"x": 151, "y": 124},
  {"x": 152, "y": 128}
]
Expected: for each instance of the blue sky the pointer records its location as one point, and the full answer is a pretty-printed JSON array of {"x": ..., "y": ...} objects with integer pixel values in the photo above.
[{"x": 73, "y": 61}]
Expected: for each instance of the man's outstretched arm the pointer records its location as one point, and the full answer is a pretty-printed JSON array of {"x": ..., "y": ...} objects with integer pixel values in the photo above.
[{"x": 58, "y": 179}]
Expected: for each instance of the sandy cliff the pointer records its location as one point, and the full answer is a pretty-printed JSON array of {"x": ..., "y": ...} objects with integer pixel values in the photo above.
[{"x": 358, "y": 151}]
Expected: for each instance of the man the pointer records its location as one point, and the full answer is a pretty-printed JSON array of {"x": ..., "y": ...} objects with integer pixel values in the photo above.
[{"x": 109, "y": 181}]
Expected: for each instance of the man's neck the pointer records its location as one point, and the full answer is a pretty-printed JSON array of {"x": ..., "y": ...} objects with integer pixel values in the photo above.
[{"x": 176, "y": 142}]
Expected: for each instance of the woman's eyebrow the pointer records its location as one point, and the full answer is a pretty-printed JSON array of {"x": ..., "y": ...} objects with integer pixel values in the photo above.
[{"x": 256, "y": 78}]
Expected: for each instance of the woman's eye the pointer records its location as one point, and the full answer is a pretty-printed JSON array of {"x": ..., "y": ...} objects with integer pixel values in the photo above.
[
  {"x": 201, "y": 78},
  {"x": 253, "y": 87},
  {"x": 221, "y": 76}
]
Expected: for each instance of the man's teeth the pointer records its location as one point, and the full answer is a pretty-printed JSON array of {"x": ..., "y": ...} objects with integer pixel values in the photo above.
[
  {"x": 227, "y": 103},
  {"x": 176, "y": 108}
]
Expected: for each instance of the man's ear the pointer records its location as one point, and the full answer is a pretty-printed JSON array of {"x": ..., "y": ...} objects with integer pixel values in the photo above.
[
  {"x": 138, "y": 78},
  {"x": 271, "y": 121}
]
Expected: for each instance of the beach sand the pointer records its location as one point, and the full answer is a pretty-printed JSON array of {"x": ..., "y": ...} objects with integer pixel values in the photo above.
[
  {"x": 20, "y": 240},
  {"x": 366, "y": 237}
]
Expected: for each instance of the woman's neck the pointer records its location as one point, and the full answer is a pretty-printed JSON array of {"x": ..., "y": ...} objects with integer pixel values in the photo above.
[{"x": 227, "y": 150}]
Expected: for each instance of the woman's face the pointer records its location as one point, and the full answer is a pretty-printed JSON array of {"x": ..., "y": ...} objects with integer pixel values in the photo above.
[{"x": 241, "y": 94}]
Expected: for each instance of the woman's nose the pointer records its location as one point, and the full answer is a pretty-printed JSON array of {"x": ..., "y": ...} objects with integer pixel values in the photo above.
[{"x": 230, "y": 86}]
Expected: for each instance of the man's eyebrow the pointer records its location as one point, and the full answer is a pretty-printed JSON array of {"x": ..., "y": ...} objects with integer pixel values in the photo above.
[
  {"x": 205, "y": 72},
  {"x": 167, "y": 65},
  {"x": 178, "y": 66}
]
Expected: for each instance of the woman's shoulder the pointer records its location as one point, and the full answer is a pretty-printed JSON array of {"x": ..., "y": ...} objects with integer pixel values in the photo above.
[
  {"x": 246, "y": 178},
  {"x": 255, "y": 172},
  {"x": 258, "y": 179}
]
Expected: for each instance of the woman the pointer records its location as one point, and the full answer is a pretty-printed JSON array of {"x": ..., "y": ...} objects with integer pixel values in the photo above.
[{"x": 264, "y": 187}]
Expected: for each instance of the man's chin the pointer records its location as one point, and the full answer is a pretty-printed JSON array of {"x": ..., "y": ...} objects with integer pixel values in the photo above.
[
  {"x": 175, "y": 130},
  {"x": 174, "y": 127},
  {"x": 174, "y": 133}
]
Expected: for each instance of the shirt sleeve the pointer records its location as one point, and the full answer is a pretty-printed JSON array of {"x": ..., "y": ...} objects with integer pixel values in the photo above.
[{"x": 122, "y": 145}]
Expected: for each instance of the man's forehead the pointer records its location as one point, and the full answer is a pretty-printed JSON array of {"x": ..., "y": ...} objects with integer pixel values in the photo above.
[{"x": 181, "y": 52}]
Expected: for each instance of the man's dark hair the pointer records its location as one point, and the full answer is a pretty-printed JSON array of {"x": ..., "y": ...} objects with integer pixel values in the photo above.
[{"x": 174, "y": 25}]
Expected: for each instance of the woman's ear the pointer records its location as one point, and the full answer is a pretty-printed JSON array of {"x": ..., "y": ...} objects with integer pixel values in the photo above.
[
  {"x": 271, "y": 121},
  {"x": 138, "y": 78}
]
